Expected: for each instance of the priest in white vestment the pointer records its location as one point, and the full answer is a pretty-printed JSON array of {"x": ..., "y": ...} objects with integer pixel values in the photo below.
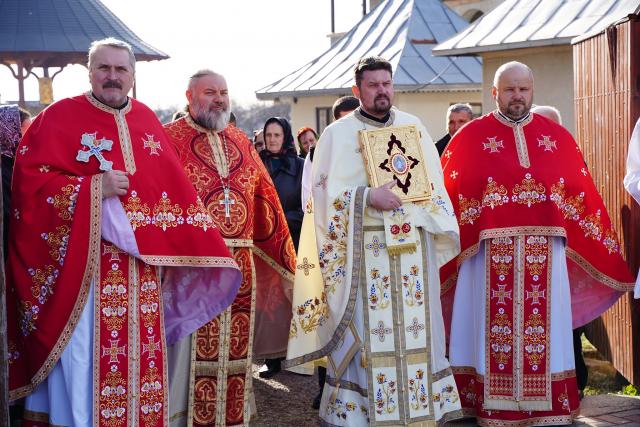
[{"x": 377, "y": 317}]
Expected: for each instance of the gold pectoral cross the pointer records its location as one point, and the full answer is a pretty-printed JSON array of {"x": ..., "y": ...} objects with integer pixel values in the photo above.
[{"x": 227, "y": 202}]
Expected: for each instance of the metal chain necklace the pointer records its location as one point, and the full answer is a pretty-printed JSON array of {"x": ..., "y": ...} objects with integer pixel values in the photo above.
[{"x": 224, "y": 175}]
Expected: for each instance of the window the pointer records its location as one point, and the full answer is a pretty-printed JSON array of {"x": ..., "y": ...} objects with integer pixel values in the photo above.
[{"x": 323, "y": 118}]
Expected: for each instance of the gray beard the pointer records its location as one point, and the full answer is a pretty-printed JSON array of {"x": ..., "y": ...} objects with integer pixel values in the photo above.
[{"x": 212, "y": 120}]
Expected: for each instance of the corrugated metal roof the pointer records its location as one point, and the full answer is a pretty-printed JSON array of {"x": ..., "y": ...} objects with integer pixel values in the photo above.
[
  {"x": 65, "y": 28},
  {"x": 529, "y": 23},
  {"x": 403, "y": 32}
]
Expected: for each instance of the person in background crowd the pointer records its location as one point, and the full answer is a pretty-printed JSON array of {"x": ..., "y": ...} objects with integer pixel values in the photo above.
[
  {"x": 232, "y": 118},
  {"x": 343, "y": 106},
  {"x": 258, "y": 139},
  {"x": 14, "y": 122},
  {"x": 457, "y": 116},
  {"x": 307, "y": 138},
  {"x": 285, "y": 168}
]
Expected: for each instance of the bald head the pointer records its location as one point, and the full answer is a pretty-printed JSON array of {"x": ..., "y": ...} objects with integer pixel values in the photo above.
[
  {"x": 549, "y": 112},
  {"x": 513, "y": 89}
]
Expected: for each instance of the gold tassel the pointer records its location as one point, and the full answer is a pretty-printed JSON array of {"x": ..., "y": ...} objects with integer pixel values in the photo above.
[
  {"x": 363, "y": 359},
  {"x": 406, "y": 248},
  {"x": 334, "y": 394}
]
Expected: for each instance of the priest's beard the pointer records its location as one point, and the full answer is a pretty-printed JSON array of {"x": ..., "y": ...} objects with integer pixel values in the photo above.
[
  {"x": 516, "y": 110},
  {"x": 209, "y": 118}
]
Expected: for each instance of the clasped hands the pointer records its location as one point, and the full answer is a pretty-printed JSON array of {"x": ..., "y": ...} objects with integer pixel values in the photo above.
[
  {"x": 114, "y": 183},
  {"x": 382, "y": 198}
]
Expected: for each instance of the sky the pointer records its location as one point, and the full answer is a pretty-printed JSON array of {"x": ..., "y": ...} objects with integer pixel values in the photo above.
[{"x": 251, "y": 42}]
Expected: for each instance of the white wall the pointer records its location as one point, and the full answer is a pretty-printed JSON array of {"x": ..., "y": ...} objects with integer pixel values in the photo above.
[{"x": 552, "y": 68}]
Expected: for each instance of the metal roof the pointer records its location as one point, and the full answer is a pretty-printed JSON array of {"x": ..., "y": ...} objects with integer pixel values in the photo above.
[
  {"x": 518, "y": 24},
  {"x": 53, "y": 33},
  {"x": 401, "y": 31}
]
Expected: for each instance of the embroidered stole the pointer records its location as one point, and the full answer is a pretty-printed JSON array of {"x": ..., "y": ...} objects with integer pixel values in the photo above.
[
  {"x": 518, "y": 320},
  {"x": 130, "y": 373},
  {"x": 402, "y": 387}
]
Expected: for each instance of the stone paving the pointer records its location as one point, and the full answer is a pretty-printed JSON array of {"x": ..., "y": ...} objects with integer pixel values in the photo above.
[{"x": 285, "y": 400}]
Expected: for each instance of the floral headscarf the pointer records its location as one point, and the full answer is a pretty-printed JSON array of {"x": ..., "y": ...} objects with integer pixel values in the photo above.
[{"x": 9, "y": 129}]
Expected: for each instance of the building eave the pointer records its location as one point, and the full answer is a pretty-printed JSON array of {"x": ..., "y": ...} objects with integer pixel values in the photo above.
[{"x": 477, "y": 50}]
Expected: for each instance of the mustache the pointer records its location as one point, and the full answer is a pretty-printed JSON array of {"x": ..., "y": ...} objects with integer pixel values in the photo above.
[
  {"x": 381, "y": 97},
  {"x": 111, "y": 84}
]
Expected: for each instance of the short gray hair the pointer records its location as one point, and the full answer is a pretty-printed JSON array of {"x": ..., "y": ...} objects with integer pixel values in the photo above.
[
  {"x": 112, "y": 42},
  {"x": 460, "y": 108},
  {"x": 202, "y": 73},
  {"x": 550, "y": 112}
]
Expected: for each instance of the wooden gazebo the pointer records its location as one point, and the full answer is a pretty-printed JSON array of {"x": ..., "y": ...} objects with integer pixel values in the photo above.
[{"x": 51, "y": 34}]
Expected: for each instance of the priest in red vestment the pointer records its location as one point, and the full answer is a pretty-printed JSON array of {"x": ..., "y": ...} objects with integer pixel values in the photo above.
[
  {"x": 536, "y": 240},
  {"x": 101, "y": 209},
  {"x": 211, "y": 378}
]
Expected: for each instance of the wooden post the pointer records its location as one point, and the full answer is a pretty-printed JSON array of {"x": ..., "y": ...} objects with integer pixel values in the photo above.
[{"x": 20, "y": 78}]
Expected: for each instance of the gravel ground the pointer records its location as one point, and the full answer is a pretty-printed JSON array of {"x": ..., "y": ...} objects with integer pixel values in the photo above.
[{"x": 285, "y": 400}]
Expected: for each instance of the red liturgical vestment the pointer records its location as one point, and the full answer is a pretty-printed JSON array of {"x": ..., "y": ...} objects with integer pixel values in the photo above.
[
  {"x": 59, "y": 253},
  {"x": 534, "y": 234},
  {"x": 239, "y": 195}
]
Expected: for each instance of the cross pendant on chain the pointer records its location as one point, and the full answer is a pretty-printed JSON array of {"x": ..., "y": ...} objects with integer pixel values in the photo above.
[{"x": 227, "y": 202}]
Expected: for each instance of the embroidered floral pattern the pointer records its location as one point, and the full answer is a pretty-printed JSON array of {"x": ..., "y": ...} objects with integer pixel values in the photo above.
[
  {"x": 412, "y": 285},
  {"x": 592, "y": 226},
  {"x": 501, "y": 338},
  {"x": 501, "y": 260},
  {"x": 571, "y": 207},
  {"x": 137, "y": 212},
  {"x": 312, "y": 313},
  {"x": 400, "y": 228},
  {"x": 418, "y": 392},
  {"x": 494, "y": 195},
  {"x": 111, "y": 397},
  {"x": 166, "y": 215},
  {"x": 149, "y": 297},
  {"x": 43, "y": 281},
  {"x": 611, "y": 242},
  {"x": 385, "y": 395},
  {"x": 198, "y": 216},
  {"x": 341, "y": 409},
  {"x": 536, "y": 254},
  {"x": 66, "y": 202},
  {"x": 528, "y": 192},
  {"x": 535, "y": 340},
  {"x": 448, "y": 394},
  {"x": 28, "y": 314},
  {"x": 114, "y": 299},
  {"x": 332, "y": 255},
  {"x": 151, "y": 397},
  {"x": 468, "y": 392},
  {"x": 379, "y": 296},
  {"x": 58, "y": 242},
  {"x": 469, "y": 210}
]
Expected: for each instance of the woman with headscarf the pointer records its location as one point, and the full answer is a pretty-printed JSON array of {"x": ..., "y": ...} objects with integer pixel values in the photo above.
[
  {"x": 285, "y": 168},
  {"x": 307, "y": 139},
  {"x": 14, "y": 121}
]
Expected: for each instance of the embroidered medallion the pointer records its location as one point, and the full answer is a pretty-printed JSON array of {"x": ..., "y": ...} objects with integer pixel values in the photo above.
[
  {"x": 375, "y": 246},
  {"x": 381, "y": 331},
  {"x": 306, "y": 266},
  {"x": 95, "y": 147}
]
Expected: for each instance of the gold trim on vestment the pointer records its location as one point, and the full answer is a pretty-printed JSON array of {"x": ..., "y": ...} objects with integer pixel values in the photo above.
[
  {"x": 93, "y": 265},
  {"x": 238, "y": 243},
  {"x": 189, "y": 261},
  {"x": 338, "y": 335},
  {"x": 518, "y": 134},
  {"x": 124, "y": 135},
  {"x": 363, "y": 119},
  {"x": 281, "y": 270}
]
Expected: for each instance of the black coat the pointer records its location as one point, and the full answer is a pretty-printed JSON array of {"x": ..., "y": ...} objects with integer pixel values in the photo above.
[{"x": 287, "y": 179}]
